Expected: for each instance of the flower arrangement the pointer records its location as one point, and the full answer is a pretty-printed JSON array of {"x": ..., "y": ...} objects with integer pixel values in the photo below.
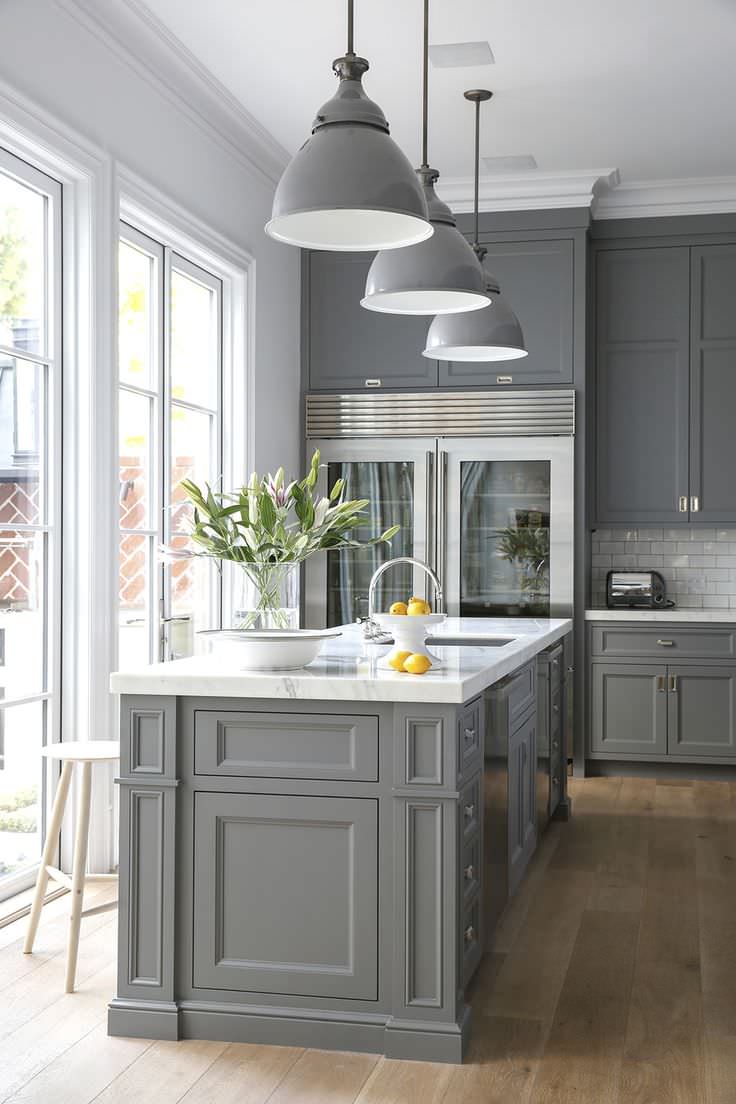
[{"x": 269, "y": 528}]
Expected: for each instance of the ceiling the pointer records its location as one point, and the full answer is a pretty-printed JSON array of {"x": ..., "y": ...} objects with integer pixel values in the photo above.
[{"x": 647, "y": 87}]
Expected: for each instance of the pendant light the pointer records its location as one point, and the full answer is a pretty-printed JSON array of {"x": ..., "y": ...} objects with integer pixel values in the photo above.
[
  {"x": 440, "y": 275},
  {"x": 493, "y": 334},
  {"x": 349, "y": 187}
]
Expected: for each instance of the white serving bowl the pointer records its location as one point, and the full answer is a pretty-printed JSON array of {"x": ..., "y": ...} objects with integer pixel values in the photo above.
[
  {"x": 272, "y": 649},
  {"x": 410, "y": 633}
]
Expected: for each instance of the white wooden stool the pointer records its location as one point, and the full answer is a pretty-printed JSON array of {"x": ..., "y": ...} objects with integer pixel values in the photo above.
[{"x": 85, "y": 752}]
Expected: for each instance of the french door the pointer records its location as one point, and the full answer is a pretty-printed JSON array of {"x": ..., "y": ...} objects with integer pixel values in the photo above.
[
  {"x": 30, "y": 507},
  {"x": 170, "y": 428}
]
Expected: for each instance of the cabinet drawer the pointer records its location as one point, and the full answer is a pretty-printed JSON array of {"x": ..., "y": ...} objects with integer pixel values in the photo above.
[
  {"x": 470, "y": 935},
  {"x": 470, "y": 870},
  {"x": 627, "y": 641},
  {"x": 470, "y": 798},
  {"x": 469, "y": 738},
  {"x": 286, "y": 745}
]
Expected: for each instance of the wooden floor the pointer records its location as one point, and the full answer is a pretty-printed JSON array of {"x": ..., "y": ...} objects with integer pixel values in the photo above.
[{"x": 612, "y": 981}]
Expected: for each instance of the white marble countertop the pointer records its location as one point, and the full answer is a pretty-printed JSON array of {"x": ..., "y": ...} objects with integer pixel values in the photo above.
[
  {"x": 705, "y": 616},
  {"x": 348, "y": 668}
]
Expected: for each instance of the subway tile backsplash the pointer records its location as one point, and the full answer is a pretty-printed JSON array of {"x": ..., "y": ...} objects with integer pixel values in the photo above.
[{"x": 698, "y": 565}]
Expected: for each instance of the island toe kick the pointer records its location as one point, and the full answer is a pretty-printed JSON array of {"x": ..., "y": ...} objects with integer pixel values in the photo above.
[{"x": 300, "y": 873}]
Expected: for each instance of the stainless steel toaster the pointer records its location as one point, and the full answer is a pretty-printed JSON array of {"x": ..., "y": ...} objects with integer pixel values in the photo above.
[{"x": 636, "y": 590}]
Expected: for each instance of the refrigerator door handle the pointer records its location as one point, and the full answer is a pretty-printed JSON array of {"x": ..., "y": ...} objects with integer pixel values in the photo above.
[
  {"x": 441, "y": 521},
  {"x": 430, "y": 525}
]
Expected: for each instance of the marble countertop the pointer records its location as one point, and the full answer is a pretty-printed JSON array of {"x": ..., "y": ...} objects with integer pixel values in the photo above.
[
  {"x": 348, "y": 668},
  {"x": 704, "y": 616}
]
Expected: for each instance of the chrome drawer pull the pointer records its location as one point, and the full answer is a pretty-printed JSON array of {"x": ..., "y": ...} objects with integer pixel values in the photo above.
[
  {"x": 373, "y": 383},
  {"x": 666, "y": 643},
  {"x": 555, "y": 745},
  {"x": 469, "y": 934},
  {"x": 469, "y": 735},
  {"x": 694, "y": 504},
  {"x": 470, "y": 811},
  {"x": 555, "y": 781},
  {"x": 660, "y": 684},
  {"x": 469, "y": 873},
  {"x": 504, "y": 379},
  {"x": 555, "y": 709},
  {"x": 673, "y": 684}
]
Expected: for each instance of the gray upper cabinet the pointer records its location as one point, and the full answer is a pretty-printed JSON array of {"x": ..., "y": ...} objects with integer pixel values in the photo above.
[
  {"x": 537, "y": 278},
  {"x": 349, "y": 348},
  {"x": 713, "y": 384},
  {"x": 642, "y": 401}
]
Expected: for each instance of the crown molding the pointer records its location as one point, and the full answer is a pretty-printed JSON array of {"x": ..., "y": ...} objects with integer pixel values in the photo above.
[
  {"x": 532, "y": 190},
  {"x": 142, "y": 41},
  {"x": 661, "y": 198}
]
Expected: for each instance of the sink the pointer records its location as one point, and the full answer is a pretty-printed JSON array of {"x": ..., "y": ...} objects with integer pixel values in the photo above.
[{"x": 447, "y": 641}]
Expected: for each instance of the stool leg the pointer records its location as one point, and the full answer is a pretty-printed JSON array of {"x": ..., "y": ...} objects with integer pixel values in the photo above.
[
  {"x": 78, "y": 873},
  {"x": 49, "y": 853}
]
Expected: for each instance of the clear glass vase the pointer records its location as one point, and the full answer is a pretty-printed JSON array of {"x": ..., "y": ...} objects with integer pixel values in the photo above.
[{"x": 269, "y": 597}]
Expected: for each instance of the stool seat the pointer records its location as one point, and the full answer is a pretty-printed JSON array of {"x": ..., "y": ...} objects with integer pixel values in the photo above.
[{"x": 83, "y": 751}]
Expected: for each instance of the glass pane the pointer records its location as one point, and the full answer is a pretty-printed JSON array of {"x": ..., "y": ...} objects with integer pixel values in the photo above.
[
  {"x": 194, "y": 353},
  {"x": 136, "y": 322},
  {"x": 504, "y": 535},
  {"x": 21, "y": 441},
  {"x": 22, "y": 266},
  {"x": 21, "y": 785},
  {"x": 22, "y": 613},
  {"x": 389, "y": 486},
  {"x": 135, "y": 460},
  {"x": 134, "y": 618}
]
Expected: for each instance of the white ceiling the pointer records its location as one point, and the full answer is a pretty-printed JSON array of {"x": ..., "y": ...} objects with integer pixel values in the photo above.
[{"x": 647, "y": 86}]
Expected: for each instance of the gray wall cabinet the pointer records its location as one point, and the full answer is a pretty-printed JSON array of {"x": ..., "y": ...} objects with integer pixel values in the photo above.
[
  {"x": 644, "y": 707},
  {"x": 665, "y": 384},
  {"x": 348, "y": 348}
]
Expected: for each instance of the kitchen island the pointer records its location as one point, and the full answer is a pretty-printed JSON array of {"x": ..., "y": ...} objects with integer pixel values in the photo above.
[{"x": 301, "y": 853}]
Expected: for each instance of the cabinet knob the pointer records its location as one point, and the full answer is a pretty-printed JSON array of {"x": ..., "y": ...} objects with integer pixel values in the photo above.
[
  {"x": 469, "y": 934},
  {"x": 469, "y": 873},
  {"x": 469, "y": 735},
  {"x": 470, "y": 811}
]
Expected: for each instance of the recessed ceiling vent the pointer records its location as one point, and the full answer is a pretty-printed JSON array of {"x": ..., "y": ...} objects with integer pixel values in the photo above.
[
  {"x": 461, "y": 55},
  {"x": 519, "y": 162}
]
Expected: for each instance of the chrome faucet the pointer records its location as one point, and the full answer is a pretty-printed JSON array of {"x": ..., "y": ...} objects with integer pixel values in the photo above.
[{"x": 370, "y": 628}]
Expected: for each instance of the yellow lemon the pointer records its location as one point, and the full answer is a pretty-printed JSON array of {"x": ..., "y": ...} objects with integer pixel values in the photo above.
[
  {"x": 417, "y": 664},
  {"x": 398, "y": 609},
  {"x": 418, "y": 608},
  {"x": 396, "y": 660}
]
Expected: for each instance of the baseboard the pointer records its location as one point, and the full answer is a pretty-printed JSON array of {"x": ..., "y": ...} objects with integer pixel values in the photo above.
[{"x": 616, "y": 768}]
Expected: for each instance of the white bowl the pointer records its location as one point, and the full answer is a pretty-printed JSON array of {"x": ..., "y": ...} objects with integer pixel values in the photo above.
[
  {"x": 271, "y": 650},
  {"x": 410, "y": 633}
]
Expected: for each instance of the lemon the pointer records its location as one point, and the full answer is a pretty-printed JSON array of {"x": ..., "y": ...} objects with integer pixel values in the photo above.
[
  {"x": 417, "y": 664},
  {"x": 396, "y": 660},
  {"x": 398, "y": 609},
  {"x": 418, "y": 608}
]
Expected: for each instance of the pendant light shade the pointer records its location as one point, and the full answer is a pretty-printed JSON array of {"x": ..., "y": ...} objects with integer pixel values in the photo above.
[
  {"x": 349, "y": 187},
  {"x": 440, "y": 275},
  {"x": 485, "y": 335}
]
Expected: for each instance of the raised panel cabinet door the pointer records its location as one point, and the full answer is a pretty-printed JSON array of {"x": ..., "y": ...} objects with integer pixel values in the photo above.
[
  {"x": 701, "y": 711},
  {"x": 529, "y": 764},
  {"x": 642, "y": 385},
  {"x": 713, "y": 384},
  {"x": 537, "y": 279},
  {"x": 629, "y": 709},
  {"x": 349, "y": 346},
  {"x": 516, "y": 857},
  {"x": 286, "y": 895}
]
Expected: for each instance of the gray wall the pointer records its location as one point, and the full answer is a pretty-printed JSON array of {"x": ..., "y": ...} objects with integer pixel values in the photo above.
[
  {"x": 63, "y": 62},
  {"x": 698, "y": 565}
]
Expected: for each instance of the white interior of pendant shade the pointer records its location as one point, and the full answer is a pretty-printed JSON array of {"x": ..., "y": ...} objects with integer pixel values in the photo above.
[
  {"x": 474, "y": 352},
  {"x": 346, "y": 229},
  {"x": 424, "y": 301}
]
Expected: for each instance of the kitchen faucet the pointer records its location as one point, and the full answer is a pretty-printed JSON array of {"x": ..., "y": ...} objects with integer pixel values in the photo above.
[{"x": 370, "y": 628}]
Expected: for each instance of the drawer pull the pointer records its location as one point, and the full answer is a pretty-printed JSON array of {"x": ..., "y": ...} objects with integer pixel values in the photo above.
[
  {"x": 694, "y": 504},
  {"x": 660, "y": 684},
  {"x": 469, "y": 735},
  {"x": 504, "y": 379},
  {"x": 469, "y": 812},
  {"x": 666, "y": 643},
  {"x": 555, "y": 745},
  {"x": 555, "y": 709},
  {"x": 373, "y": 383},
  {"x": 673, "y": 684},
  {"x": 555, "y": 780},
  {"x": 469, "y": 873},
  {"x": 469, "y": 933}
]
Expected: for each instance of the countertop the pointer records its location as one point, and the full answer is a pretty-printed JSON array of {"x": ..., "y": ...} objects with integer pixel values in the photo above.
[
  {"x": 348, "y": 668},
  {"x": 706, "y": 616}
]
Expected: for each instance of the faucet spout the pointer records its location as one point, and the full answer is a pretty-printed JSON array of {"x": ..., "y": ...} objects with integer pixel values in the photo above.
[{"x": 439, "y": 597}]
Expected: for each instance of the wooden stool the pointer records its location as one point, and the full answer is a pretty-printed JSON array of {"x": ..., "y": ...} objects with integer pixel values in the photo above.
[{"x": 85, "y": 752}]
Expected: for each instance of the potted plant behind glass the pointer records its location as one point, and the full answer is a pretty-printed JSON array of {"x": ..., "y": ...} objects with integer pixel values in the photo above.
[{"x": 269, "y": 528}]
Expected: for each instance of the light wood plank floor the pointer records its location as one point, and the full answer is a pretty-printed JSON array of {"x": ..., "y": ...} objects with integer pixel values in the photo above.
[{"x": 612, "y": 981}]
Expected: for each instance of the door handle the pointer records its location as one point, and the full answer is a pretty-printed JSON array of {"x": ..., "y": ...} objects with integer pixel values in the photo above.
[
  {"x": 673, "y": 684},
  {"x": 682, "y": 504},
  {"x": 442, "y": 520},
  {"x": 175, "y": 620},
  {"x": 660, "y": 684},
  {"x": 695, "y": 504},
  {"x": 430, "y": 528}
]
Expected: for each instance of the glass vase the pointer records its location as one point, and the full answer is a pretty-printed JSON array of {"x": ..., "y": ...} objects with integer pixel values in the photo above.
[{"x": 269, "y": 597}]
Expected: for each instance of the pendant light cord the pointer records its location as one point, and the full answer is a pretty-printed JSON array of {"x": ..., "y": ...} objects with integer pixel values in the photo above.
[
  {"x": 351, "y": 23},
  {"x": 477, "y": 170},
  {"x": 425, "y": 91}
]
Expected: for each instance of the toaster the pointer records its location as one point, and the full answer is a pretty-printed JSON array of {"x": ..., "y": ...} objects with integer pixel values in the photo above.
[{"x": 636, "y": 590}]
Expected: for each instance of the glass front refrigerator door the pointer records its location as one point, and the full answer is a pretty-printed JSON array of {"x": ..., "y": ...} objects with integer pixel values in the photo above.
[
  {"x": 507, "y": 540},
  {"x": 396, "y": 478}
]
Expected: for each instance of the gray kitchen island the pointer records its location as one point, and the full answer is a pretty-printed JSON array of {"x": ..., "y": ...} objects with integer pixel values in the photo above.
[{"x": 301, "y": 854}]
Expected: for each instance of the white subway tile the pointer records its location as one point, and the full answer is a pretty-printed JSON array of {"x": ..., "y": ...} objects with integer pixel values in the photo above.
[
  {"x": 726, "y": 535},
  {"x": 725, "y": 561},
  {"x": 664, "y": 546},
  {"x": 600, "y": 561},
  {"x": 650, "y": 534},
  {"x": 690, "y": 601},
  {"x": 690, "y": 548},
  {"x": 612, "y": 547},
  {"x": 711, "y": 601},
  {"x": 702, "y": 561},
  {"x": 702, "y": 534}
]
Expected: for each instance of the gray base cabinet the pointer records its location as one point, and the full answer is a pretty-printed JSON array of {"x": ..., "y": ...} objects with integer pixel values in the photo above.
[
  {"x": 522, "y": 800},
  {"x": 305, "y": 874},
  {"x": 640, "y": 708}
]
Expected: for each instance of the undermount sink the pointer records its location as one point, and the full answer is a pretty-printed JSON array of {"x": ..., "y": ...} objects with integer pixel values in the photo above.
[{"x": 448, "y": 641}]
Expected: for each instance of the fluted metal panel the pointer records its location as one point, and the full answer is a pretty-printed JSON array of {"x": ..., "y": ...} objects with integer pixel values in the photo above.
[{"x": 442, "y": 414}]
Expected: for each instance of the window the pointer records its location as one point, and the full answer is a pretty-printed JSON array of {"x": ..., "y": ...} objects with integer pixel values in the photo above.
[
  {"x": 30, "y": 519},
  {"x": 170, "y": 428}
]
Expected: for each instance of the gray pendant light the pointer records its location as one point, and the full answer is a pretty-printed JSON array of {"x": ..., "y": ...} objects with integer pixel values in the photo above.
[
  {"x": 440, "y": 275},
  {"x": 349, "y": 187},
  {"x": 492, "y": 334}
]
